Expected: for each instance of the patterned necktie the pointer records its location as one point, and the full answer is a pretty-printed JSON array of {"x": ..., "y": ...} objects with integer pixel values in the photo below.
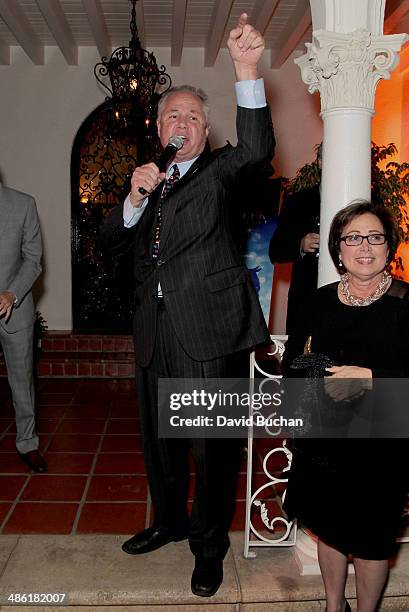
[{"x": 170, "y": 181}]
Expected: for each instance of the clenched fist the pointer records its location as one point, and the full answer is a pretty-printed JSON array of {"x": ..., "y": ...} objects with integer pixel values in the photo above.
[{"x": 148, "y": 177}]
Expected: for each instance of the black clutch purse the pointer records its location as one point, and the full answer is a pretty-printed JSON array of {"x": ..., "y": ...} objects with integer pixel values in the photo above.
[
  {"x": 311, "y": 365},
  {"x": 317, "y": 410}
]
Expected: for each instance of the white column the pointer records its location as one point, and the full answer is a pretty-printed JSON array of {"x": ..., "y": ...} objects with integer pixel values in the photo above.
[
  {"x": 345, "y": 66},
  {"x": 341, "y": 187}
]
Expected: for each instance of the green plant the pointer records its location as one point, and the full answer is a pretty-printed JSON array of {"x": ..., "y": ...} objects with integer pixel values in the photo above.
[
  {"x": 307, "y": 176},
  {"x": 40, "y": 325},
  {"x": 389, "y": 185}
]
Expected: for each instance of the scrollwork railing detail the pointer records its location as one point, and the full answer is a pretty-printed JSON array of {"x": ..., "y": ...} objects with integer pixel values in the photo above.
[{"x": 287, "y": 529}]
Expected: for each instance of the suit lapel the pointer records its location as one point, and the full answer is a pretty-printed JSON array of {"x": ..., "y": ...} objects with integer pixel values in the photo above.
[
  {"x": 194, "y": 168},
  {"x": 170, "y": 204}
]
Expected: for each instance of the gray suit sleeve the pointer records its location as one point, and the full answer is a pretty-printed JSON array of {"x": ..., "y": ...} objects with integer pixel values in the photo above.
[{"x": 31, "y": 251}]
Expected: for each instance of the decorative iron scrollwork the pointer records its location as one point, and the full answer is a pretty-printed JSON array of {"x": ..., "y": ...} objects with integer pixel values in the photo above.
[
  {"x": 131, "y": 74},
  {"x": 104, "y": 157}
]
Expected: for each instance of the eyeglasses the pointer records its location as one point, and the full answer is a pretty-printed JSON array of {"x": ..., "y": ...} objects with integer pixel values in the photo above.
[{"x": 357, "y": 239}]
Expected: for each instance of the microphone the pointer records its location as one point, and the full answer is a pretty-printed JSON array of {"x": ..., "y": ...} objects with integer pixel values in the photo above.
[{"x": 175, "y": 143}]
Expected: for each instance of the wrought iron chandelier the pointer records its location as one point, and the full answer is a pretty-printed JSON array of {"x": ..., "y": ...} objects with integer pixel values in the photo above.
[{"x": 132, "y": 78}]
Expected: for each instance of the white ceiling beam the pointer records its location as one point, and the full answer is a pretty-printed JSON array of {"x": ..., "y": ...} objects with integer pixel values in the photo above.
[
  {"x": 140, "y": 23},
  {"x": 4, "y": 53},
  {"x": 178, "y": 31},
  {"x": 98, "y": 26},
  {"x": 262, "y": 13},
  {"x": 59, "y": 28},
  {"x": 295, "y": 28},
  {"x": 218, "y": 25},
  {"x": 12, "y": 14},
  {"x": 397, "y": 10}
]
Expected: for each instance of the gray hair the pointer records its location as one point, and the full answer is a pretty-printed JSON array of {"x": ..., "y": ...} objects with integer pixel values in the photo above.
[{"x": 196, "y": 91}]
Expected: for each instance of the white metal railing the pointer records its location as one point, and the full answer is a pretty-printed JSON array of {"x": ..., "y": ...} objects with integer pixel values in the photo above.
[{"x": 254, "y": 538}]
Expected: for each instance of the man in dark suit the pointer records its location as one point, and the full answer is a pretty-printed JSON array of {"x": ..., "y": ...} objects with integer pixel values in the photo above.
[
  {"x": 296, "y": 239},
  {"x": 196, "y": 312},
  {"x": 20, "y": 257}
]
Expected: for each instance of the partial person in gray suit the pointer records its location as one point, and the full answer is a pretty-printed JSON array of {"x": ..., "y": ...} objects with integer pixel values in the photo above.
[
  {"x": 20, "y": 265},
  {"x": 196, "y": 312}
]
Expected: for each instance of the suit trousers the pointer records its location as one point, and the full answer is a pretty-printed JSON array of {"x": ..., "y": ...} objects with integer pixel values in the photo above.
[
  {"x": 217, "y": 461},
  {"x": 18, "y": 355}
]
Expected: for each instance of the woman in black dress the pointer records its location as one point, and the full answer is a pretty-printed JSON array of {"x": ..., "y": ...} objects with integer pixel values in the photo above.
[{"x": 345, "y": 491}]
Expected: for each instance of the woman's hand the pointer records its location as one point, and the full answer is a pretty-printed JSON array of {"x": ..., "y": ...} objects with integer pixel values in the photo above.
[
  {"x": 358, "y": 380},
  {"x": 347, "y": 371}
]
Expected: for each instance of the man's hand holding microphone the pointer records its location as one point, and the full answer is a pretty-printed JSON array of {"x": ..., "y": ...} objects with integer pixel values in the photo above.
[{"x": 146, "y": 178}]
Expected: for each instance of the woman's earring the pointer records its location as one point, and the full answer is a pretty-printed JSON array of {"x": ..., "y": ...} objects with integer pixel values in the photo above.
[{"x": 340, "y": 263}]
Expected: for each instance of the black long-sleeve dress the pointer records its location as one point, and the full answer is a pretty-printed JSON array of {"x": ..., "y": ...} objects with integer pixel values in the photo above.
[{"x": 354, "y": 498}]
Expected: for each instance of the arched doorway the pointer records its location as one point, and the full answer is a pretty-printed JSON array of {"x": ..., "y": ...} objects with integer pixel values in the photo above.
[{"x": 105, "y": 152}]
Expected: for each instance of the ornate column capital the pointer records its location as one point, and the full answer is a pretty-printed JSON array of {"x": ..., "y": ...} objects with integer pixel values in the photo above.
[{"x": 346, "y": 68}]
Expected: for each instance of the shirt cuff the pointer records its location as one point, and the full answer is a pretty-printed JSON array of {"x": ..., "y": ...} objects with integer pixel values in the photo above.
[
  {"x": 131, "y": 215},
  {"x": 251, "y": 94}
]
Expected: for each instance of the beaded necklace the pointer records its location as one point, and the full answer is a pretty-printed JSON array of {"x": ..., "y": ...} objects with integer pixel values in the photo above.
[{"x": 353, "y": 300}]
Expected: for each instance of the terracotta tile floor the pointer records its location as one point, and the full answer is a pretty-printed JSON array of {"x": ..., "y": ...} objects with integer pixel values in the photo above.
[{"x": 89, "y": 433}]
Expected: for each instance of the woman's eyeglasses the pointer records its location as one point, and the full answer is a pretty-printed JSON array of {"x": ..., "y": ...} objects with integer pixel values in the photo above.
[{"x": 357, "y": 239}]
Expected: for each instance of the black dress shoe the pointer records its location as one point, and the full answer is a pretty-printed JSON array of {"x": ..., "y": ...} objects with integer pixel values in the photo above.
[
  {"x": 35, "y": 461},
  {"x": 151, "y": 539},
  {"x": 207, "y": 577}
]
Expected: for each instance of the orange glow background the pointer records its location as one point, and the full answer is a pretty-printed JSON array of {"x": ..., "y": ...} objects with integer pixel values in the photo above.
[{"x": 391, "y": 123}]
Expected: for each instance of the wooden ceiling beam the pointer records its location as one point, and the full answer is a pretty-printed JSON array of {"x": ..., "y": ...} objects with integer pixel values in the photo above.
[
  {"x": 178, "y": 31},
  {"x": 262, "y": 13},
  {"x": 297, "y": 25},
  {"x": 397, "y": 11},
  {"x": 217, "y": 29},
  {"x": 98, "y": 26},
  {"x": 15, "y": 19},
  {"x": 59, "y": 28}
]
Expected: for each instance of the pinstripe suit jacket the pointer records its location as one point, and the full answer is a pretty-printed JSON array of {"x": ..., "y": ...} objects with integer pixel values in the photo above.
[
  {"x": 207, "y": 289},
  {"x": 20, "y": 254}
]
